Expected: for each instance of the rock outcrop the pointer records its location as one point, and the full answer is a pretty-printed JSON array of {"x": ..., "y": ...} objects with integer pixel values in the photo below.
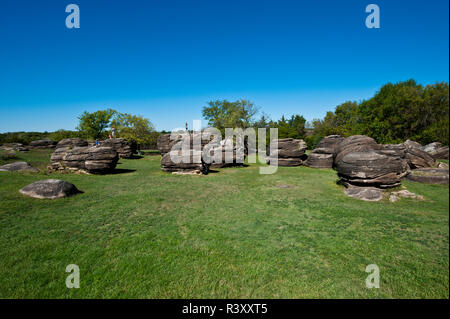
[
  {"x": 165, "y": 144},
  {"x": 371, "y": 169},
  {"x": 50, "y": 189},
  {"x": 73, "y": 155},
  {"x": 429, "y": 175},
  {"x": 18, "y": 167},
  {"x": 413, "y": 144},
  {"x": 72, "y": 142},
  {"x": 322, "y": 155},
  {"x": 236, "y": 154},
  {"x": 191, "y": 164},
  {"x": 16, "y": 147},
  {"x": 417, "y": 158},
  {"x": 371, "y": 194},
  {"x": 44, "y": 143},
  {"x": 121, "y": 146},
  {"x": 437, "y": 150},
  {"x": 352, "y": 144},
  {"x": 290, "y": 152}
]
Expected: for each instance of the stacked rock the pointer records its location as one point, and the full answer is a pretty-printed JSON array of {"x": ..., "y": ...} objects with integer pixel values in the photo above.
[
  {"x": 44, "y": 143},
  {"x": 429, "y": 175},
  {"x": 74, "y": 155},
  {"x": 192, "y": 163},
  {"x": 164, "y": 143},
  {"x": 121, "y": 146},
  {"x": 365, "y": 167},
  {"x": 290, "y": 152},
  {"x": 355, "y": 143},
  {"x": 227, "y": 153},
  {"x": 437, "y": 150},
  {"x": 371, "y": 168},
  {"x": 416, "y": 156},
  {"x": 63, "y": 146},
  {"x": 322, "y": 155}
]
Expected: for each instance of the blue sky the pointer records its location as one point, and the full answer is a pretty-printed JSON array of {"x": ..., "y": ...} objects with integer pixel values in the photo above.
[{"x": 165, "y": 59}]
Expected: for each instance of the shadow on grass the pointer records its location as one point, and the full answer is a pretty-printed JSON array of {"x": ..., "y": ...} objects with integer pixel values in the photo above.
[{"x": 121, "y": 171}]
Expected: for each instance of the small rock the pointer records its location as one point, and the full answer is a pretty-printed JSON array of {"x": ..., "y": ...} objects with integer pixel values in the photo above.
[
  {"x": 284, "y": 186},
  {"x": 18, "y": 167},
  {"x": 50, "y": 189},
  {"x": 395, "y": 196},
  {"x": 429, "y": 175},
  {"x": 371, "y": 194}
]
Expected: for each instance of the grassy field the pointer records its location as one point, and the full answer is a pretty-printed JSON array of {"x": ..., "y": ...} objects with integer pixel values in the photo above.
[{"x": 143, "y": 233}]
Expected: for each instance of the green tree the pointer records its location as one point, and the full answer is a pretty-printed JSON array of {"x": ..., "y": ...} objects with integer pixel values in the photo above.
[
  {"x": 134, "y": 128},
  {"x": 94, "y": 125},
  {"x": 223, "y": 114}
]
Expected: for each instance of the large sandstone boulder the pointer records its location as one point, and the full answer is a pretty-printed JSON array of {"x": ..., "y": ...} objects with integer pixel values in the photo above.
[
  {"x": 413, "y": 144},
  {"x": 429, "y": 175},
  {"x": 165, "y": 144},
  {"x": 191, "y": 164},
  {"x": 16, "y": 147},
  {"x": 398, "y": 150},
  {"x": 352, "y": 144},
  {"x": 72, "y": 142},
  {"x": 417, "y": 158},
  {"x": 437, "y": 150},
  {"x": 371, "y": 168},
  {"x": 290, "y": 152},
  {"x": 18, "y": 167},
  {"x": 44, "y": 143},
  {"x": 50, "y": 188},
  {"x": 124, "y": 148},
  {"x": 322, "y": 155},
  {"x": 236, "y": 154},
  {"x": 432, "y": 147},
  {"x": 95, "y": 159}
]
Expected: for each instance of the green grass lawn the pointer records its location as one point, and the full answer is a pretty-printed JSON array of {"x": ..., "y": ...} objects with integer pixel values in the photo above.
[{"x": 231, "y": 234}]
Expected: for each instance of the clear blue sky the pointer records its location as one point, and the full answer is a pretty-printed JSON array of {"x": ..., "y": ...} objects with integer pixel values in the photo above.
[{"x": 165, "y": 59}]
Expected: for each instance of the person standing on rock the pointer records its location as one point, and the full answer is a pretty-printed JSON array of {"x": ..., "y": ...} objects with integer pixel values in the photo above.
[{"x": 113, "y": 132}]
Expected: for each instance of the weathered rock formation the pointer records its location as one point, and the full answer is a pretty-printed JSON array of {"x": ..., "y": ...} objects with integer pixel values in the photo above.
[
  {"x": 72, "y": 142},
  {"x": 395, "y": 196},
  {"x": 50, "y": 189},
  {"x": 290, "y": 152},
  {"x": 417, "y": 158},
  {"x": 190, "y": 164},
  {"x": 352, "y": 144},
  {"x": 371, "y": 168},
  {"x": 429, "y": 175},
  {"x": 371, "y": 194},
  {"x": 18, "y": 167},
  {"x": 236, "y": 154},
  {"x": 73, "y": 155},
  {"x": 121, "y": 146},
  {"x": 322, "y": 155},
  {"x": 16, "y": 147},
  {"x": 44, "y": 143},
  {"x": 437, "y": 150},
  {"x": 413, "y": 144},
  {"x": 165, "y": 144}
]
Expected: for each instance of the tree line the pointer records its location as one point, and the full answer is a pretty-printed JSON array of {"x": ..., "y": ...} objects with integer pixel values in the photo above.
[{"x": 397, "y": 112}]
